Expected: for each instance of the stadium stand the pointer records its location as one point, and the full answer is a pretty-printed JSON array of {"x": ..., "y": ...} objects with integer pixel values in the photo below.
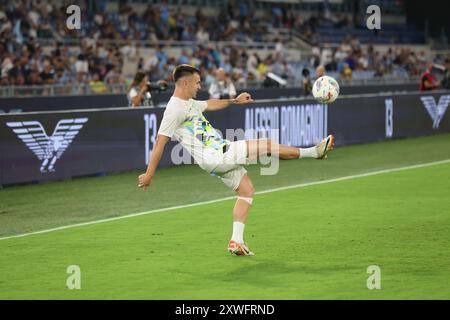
[{"x": 245, "y": 38}]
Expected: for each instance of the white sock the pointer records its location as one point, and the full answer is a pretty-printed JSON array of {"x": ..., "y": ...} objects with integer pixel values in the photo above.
[
  {"x": 238, "y": 232},
  {"x": 308, "y": 152}
]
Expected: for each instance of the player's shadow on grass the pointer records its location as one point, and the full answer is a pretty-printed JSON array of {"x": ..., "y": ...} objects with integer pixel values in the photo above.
[{"x": 269, "y": 272}]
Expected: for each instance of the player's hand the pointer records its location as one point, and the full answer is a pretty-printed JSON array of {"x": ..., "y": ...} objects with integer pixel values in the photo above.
[
  {"x": 144, "y": 181},
  {"x": 244, "y": 97}
]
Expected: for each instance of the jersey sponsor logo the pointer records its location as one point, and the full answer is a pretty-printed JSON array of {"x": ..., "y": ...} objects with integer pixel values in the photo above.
[
  {"x": 48, "y": 149},
  {"x": 436, "y": 112}
]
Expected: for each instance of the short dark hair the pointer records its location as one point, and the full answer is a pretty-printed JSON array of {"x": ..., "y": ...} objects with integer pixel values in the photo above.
[
  {"x": 184, "y": 70},
  {"x": 139, "y": 76}
]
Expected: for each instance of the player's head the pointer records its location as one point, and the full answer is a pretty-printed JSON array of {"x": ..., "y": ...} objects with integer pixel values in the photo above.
[{"x": 187, "y": 78}]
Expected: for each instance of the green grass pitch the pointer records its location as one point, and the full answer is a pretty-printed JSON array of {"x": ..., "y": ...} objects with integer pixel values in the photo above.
[{"x": 314, "y": 242}]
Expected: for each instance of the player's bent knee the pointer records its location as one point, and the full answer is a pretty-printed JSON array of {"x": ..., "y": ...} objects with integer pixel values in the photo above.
[
  {"x": 247, "y": 192},
  {"x": 245, "y": 188}
]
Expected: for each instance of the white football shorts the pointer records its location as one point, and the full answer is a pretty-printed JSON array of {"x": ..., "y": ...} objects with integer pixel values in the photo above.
[{"x": 231, "y": 170}]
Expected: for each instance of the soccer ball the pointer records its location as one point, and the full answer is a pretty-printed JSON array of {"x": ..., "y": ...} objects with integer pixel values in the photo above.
[{"x": 325, "y": 89}]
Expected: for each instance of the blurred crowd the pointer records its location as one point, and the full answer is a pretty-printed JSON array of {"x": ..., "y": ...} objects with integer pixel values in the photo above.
[
  {"x": 350, "y": 56},
  {"x": 24, "y": 61},
  {"x": 99, "y": 63},
  {"x": 236, "y": 21}
]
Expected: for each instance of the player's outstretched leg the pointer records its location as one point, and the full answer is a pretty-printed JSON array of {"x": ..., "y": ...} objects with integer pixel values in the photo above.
[
  {"x": 245, "y": 193},
  {"x": 264, "y": 147}
]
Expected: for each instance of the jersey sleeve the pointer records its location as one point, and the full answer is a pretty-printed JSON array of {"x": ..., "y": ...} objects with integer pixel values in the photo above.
[
  {"x": 173, "y": 117},
  {"x": 201, "y": 105}
]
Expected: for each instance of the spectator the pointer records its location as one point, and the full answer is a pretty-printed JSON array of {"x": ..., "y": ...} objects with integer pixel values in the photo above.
[
  {"x": 62, "y": 77},
  {"x": 339, "y": 56},
  {"x": 6, "y": 66},
  {"x": 252, "y": 65},
  {"x": 263, "y": 68},
  {"x": 151, "y": 64},
  {"x": 81, "y": 68},
  {"x": 441, "y": 72},
  {"x": 346, "y": 72},
  {"x": 184, "y": 57},
  {"x": 306, "y": 82},
  {"x": 446, "y": 81},
  {"x": 34, "y": 78},
  {"x": 48, "y": 74},
  {"x": 326, "y": 56},
  {"x": 114, "y": 78},
  {"x": 428, "y": 80},
  {"x": 202, "y": 35},
  {"x": 208, "y": 75},
  {"x": 222, "y": 87},
  {"x": 320, "y": 71},
  {"x": 96, "y": 85},
  {"x": 129, "y": 49},
  {"x": 283, "y": 70}
]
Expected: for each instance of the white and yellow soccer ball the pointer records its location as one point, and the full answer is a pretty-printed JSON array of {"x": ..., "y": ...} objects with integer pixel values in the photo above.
[{"x": 325, "y": 89}]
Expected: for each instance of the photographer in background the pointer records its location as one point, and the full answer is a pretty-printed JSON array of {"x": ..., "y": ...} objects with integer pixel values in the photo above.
[
  {"x": 446, "y": 80},
  {"x": 443, "y": 72},
  {"x": 222, "y": 87},
  {"x": 139, "y": 93},
  {"x": 428, "y": 80}
]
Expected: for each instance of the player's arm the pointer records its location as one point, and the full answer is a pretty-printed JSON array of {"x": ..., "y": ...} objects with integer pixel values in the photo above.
[
  {"x": 157, "y": 152},
  {"x": 218, "y": 104}
]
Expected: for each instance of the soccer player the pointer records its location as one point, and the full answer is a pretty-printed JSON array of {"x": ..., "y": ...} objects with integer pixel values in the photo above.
[{"x": 184, "y": 121}]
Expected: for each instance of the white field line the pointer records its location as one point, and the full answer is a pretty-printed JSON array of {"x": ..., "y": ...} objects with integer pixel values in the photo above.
[{"x": 302, "y": 185}]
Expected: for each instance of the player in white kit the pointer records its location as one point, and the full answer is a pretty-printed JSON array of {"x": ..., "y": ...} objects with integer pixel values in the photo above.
[{"x": 184, "y": 121}]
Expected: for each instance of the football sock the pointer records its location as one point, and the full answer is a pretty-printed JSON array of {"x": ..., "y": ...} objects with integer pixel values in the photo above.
[
  {"x": 238, "y": 232},
  {"x": 308, "y": 152}
]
